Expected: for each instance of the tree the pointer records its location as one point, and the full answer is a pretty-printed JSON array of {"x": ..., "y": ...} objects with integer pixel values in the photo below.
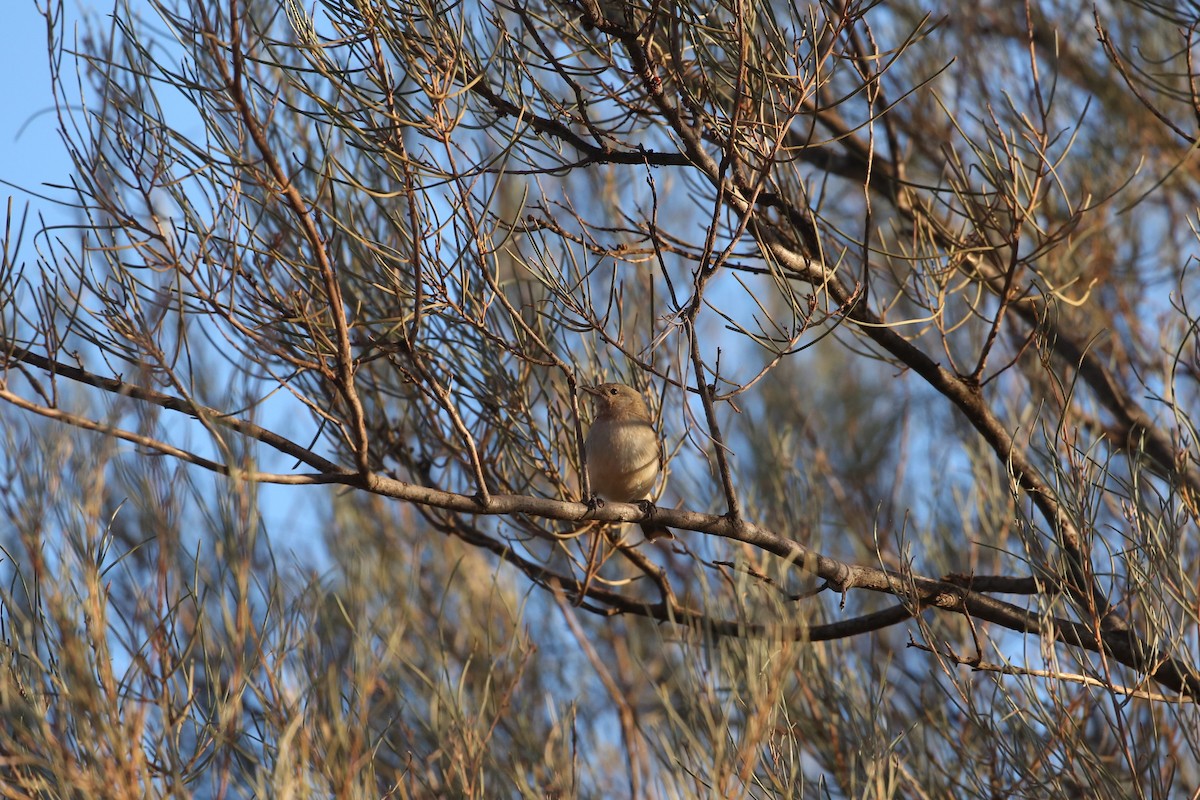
[{"x": 912, "y": 294}]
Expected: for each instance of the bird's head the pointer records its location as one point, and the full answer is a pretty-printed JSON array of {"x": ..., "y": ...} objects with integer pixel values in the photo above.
[{"x": 617, "y": 399}]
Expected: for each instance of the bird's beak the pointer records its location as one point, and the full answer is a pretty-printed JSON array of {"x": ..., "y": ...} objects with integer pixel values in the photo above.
[{"x": 592, "y": 390}]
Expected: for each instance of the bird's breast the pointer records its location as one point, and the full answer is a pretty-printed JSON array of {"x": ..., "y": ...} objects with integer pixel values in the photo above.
[{"x": 622, "y": 459}]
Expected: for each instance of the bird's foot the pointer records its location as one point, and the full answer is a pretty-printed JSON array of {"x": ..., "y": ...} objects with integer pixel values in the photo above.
[{"x": 651, "y": 529}]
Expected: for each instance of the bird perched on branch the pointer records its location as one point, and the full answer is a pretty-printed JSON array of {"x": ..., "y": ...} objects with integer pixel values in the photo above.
[{"x": 623, "y": 457}]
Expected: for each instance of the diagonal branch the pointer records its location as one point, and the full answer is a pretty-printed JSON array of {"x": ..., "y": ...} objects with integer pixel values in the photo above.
[
  {"x": 918, "y": 593},
  {"x": 124, "y": 389}
]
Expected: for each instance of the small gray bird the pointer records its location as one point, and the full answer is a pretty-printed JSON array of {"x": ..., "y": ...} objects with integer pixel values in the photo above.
[{"x": 623, "y": 458}]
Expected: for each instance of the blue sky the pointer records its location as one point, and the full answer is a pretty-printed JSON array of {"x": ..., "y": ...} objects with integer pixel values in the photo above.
[
  {"x": 32, "y": 155},
  {"x": 30, "y": 151}
]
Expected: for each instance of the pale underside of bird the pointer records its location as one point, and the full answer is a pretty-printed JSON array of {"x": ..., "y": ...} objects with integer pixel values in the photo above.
[{"x": 622, "y": 449}]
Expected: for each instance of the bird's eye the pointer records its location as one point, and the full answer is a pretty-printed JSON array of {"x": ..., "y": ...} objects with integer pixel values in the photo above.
[{"x": 613, "y": 391}]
